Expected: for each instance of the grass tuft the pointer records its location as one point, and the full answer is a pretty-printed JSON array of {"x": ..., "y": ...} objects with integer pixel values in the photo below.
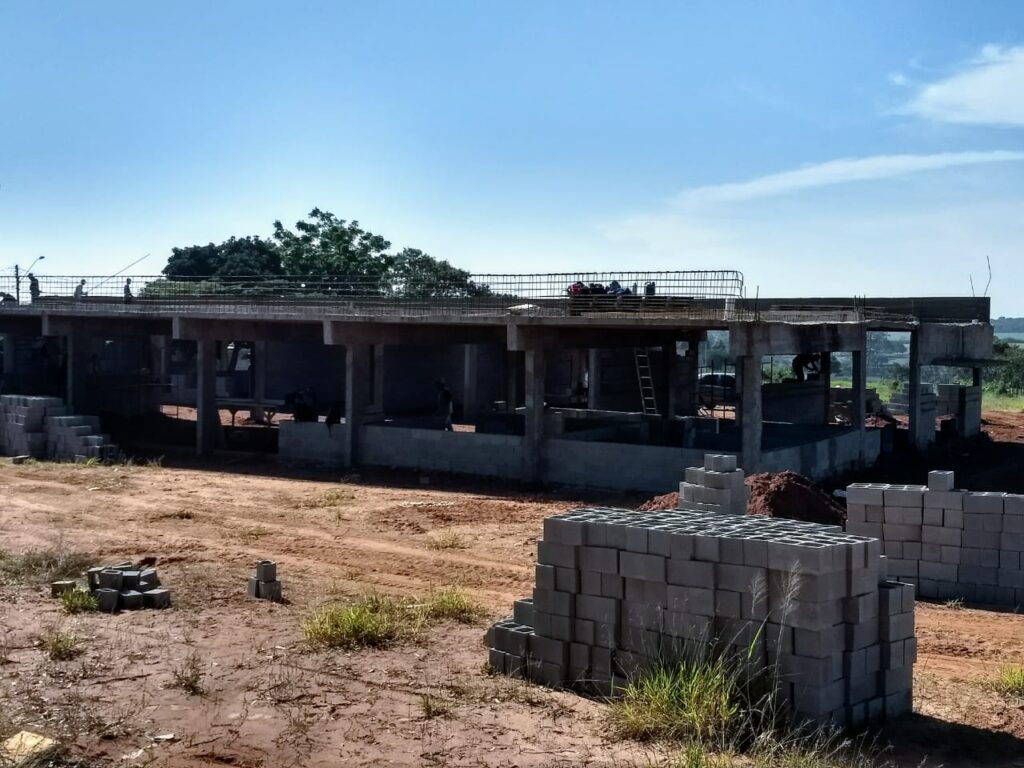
[
  {"x": 451, "y": 603},
  {"x": 695, "y": 699},
  {"x": 955, "y": 604},
  {"x": 447, "y": 540},
  {"x": 189, "y": 676},
  {"x": 379, "y": 621},
  {"x": 60, "y": 645},
  {"x": 42, "y": 566},
  {"x": 1010, "y": 681},
  {"x": 335, "y": 497},
  {"x": 431, "y": 706},
  {"x": 78, "y": 601},
  {"x": 372, "y": 621}
]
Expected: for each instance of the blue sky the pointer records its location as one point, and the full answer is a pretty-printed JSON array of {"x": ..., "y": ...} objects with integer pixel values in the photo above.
[{"x": 823, "y": 148}]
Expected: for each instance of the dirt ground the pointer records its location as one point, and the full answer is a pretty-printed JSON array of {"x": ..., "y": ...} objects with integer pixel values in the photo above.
[{"x": 271, "y": 700}]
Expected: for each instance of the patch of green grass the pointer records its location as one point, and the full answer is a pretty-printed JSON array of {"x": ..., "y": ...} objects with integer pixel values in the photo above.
[
  {"x": 695, "y": 699},
  {"x": 955, "y": 604},
  {"x": 451, "y": 603},
  {"x": 42, "y": 566},
  {"x": 1010, "y": 681},
  {"x": 189, "y": 675},
  {"x": 379, "y": 621},
  {"x": 60, "y": 645},
  {"x": 372, "y": 621},
  {"x": 994, "y": 401},
  {"x": 78, "y": 601}
]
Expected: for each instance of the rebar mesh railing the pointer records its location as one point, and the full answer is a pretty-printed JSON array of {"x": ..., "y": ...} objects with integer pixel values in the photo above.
[{"x": 690, "y": 294}]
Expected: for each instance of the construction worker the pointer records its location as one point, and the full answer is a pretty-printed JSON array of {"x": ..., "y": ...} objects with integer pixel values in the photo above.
[
  {"x": 33, "y": 286},
  {"x": 80, "y": 291},
  {"x": 803, "y": 363},
  {"x": 445, "y": 405},
  {"x": 128, "y": 291}
]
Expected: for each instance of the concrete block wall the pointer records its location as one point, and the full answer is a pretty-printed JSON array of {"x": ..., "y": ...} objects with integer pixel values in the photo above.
[
  {"x": 949, "y": 543},
  {"x": 619, "y": 591},
  {"x": 824, "y": 458},
  {"x": 313, "y": 442},
  {"x": 794, "y": 402},
  {"x": 474, "y": 453},
  {"x": 615, "y": 466}
]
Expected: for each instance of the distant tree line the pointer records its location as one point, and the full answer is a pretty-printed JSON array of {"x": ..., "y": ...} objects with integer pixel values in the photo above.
[
  {"x": 334, "y": 256},
  {"x": 1008, "y": 325}
]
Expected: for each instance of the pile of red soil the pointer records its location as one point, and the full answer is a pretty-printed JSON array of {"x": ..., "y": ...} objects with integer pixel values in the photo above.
[
  {"x": 792, "y": 496},
  {"x": 785, "y": 494}
]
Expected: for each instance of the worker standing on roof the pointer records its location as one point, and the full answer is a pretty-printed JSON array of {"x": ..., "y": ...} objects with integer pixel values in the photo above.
[
  {"x": 33, "y": 286},
  {"x": 80, "y": 291},
  {"x": 128, "y": 291}
]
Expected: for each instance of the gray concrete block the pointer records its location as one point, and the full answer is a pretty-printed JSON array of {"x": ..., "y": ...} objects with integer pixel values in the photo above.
[
  {"x": 544, "y": 576},
  {"x": 690, "y": 573},
  {"x": 940, "y": 481},
  {"x": 266, "y": 570},
  {"x": 597, "y": 609},
  {"x": 705, "y": 548},
  {"x": 990, "y": 503},
  {"x": 271, "y": 590},
  {"x": 640, "y": 566},
  {"x": 904, "y": 496},
  {"x": 612, "y": 585},
  {"x": 567, "y": 580},
  {"x": 599, "y": 559},
  {"x": 130, "y": 600},
  {"x": 554, "y": 601},
  {"x": 590, "y": 582},
  {"x": 636, "y": 539},
  {"x": 522, "y": 611},
  {"x": 58, "y": 588},
  {"x": 984, "y": 539},
  {"x": 107, "y": 599},
  {"x": 563, "y": 555},
  {"x": 110, "y": 578},
  {"x": 897, "y": 627},
  {"x": 932, "y": 534},
  {"x": 865, "y": 493},
  {"x": 944, "y": 499},
  {"x": 693, "y": 600},
  {"x": 740, "y": 578}
]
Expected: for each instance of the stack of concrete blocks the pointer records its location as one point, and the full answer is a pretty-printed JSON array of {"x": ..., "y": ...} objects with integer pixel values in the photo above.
[
  {"x": 77, "y": 438},
  {"x": 806, "y": 606},
  {"x": 718, "y": 486},
  {"x": 265, "y": 585},
  {"x": 964, "y": 402},
  {"x": 41, "y": 427},
  {"x": 126, "y": 588},
  {"x": 23, "y": 423},
  {"x": 952, "y": 544}
]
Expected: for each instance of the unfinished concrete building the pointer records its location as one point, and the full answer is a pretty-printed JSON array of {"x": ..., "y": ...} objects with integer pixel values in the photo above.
[{"x": 594, "y": 387}]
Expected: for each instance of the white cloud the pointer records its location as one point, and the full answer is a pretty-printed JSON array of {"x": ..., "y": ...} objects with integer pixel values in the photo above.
[
  {"x": 842, "y": 171},
  {"x": 989, "y": 91}
]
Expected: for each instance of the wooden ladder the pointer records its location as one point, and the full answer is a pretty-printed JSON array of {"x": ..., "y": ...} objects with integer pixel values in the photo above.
[{"x": 646, "y": 381}]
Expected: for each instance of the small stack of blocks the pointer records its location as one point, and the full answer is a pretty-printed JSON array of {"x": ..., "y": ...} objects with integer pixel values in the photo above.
[
  {"x": 952, "y": 544},
  {"x": 718, "y": 486},
  {"x": 618, "y": 591},
  {"x": 78, "y": 438},
  {"x": 23, "y": 423},
  {"x": 120, "y": 587},
  {"x": 265, "y": 585}
]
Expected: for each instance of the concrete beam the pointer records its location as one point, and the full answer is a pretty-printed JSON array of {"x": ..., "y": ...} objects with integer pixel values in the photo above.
[
  {"x": 536, "y": 368},
  {"x": 103, "y": 327},
  {"x": 21, "y": 326},
  {"x": 763, "y": 339},
  {"x": 522, "y": 338},
  {"x": 750, "y": 415},
  {"x": 357, "y": 396},
  {"x": 945, "y": 342},
  {"x": 201, "y": 329},
  {"x": 345, "y": 333}
]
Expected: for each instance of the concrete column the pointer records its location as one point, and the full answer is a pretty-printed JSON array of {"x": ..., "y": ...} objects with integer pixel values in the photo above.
[
  {"x": 10, "y": 355},
  {"x": 258, "y": 365},
  {"x": 668, "y": 374},
  {"x": 859, "y": 395},
  {"x": 357, "y": 396},
  {"x": 749, "y": 371},
  {"x": 513, "y": 362},
  {"x": 826, "y": 380},
  {"x": 976, "y": 376},
  {"x": 593, "y": 379},
  {"x": 207, "y": 418},
  {"x": 470, "y": 383},
  {"x": 375, "y": 374},
  {"x": 534, "y": 442},
  {"x": 914, "y": 408}
]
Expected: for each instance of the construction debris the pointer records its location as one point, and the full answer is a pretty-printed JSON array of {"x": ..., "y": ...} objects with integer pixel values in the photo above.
[
  {"x": 265, "y": 585},
  {"x": 26, "y": 749}
]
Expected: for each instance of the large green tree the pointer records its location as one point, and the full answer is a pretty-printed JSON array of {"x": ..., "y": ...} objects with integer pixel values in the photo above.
[{"x": 234, "y": 257}]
